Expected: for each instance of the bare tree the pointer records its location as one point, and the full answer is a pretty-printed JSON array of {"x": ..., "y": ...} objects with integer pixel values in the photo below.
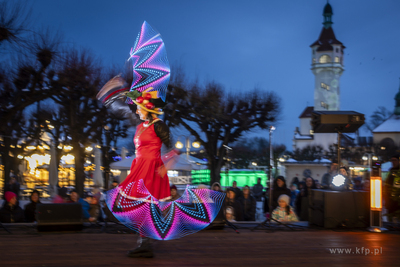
[
  {"x": 378, "y": 117},
  {"x": 216, "y": 118}
]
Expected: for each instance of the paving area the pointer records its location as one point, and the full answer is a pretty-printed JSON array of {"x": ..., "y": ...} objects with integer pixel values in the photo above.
[{"x": 308, "y": 247}]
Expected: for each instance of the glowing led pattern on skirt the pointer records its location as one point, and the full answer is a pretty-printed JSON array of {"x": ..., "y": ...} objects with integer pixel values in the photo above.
[
  {"x": 150, "y": 64},
  {"x": 164, "y": 220}
]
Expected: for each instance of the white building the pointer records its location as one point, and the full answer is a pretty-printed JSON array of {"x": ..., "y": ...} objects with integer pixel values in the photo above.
[
  {"x": 388, "y": 133},
  {"x": 327, "y": 67}
]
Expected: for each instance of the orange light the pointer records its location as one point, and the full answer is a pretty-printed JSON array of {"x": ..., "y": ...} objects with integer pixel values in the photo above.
[{"x": 376, "y": 193}]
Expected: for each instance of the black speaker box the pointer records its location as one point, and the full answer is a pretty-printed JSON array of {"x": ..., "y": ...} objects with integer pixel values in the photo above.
[
  {"x": 334, "y": 121},
  {"x": 59, "y": 217},
  {"x": 335, "y": 209}
]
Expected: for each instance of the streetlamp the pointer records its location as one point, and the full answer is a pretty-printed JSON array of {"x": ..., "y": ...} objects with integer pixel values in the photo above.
[
  {"x": 179, "y": 145},
  {"x": 271, "y": 164},
  {"x": 106, "y": 156}
]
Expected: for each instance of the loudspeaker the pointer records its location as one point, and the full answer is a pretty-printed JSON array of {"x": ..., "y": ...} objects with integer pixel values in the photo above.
[
  {"x": 59, "y": 217},
  {"x": 334, "y": 209},
  {"x": 336, "y": 121}
]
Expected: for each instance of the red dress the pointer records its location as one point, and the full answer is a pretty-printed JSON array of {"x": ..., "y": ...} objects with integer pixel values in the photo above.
[
  {"x": 140, "y": 202},
  {"x": 147, "y": 163}
]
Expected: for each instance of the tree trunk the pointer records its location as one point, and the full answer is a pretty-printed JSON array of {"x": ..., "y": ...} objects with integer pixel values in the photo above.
[
  {"x": 6, "y": 160},
  {"x": 79, "y": 168},
  {"x": 215, "y": 166}
]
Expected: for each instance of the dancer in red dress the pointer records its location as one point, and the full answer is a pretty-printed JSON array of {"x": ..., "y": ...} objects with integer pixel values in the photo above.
[{"x": 142, "y": 201}]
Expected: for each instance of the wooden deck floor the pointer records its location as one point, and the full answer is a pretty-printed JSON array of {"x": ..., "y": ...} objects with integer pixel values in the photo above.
[{"x": 207, "y": 248}]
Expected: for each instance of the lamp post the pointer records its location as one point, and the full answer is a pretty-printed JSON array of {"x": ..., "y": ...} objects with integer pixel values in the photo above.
[
  {"x": 106, "y": 157},
  {"x": 227, "y": 150},
  {"x": 179, "y": 145},
  {"x": 376, "y": 199},
  {"x": 271, "y": 164}
]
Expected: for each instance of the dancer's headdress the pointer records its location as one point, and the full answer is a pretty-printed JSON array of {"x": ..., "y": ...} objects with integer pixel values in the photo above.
[{"x": 151, "y": 71}]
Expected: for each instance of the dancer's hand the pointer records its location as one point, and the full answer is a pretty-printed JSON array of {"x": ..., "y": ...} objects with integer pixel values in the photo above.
[{"x": 162, "y": 171}]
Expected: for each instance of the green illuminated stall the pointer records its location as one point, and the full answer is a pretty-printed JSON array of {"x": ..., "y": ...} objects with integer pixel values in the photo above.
[{"x": 242, "y": 177}]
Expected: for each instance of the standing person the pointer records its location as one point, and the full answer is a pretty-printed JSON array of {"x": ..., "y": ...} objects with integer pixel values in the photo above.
[
  {"x": 295, "y": 181},
  {"x": 391, "y": 184},
  {"x": 279, "y": 188},
  {"x": 237, "y": 190},
  {"x": 258, "y": 190},
  {"x": 304, "y": 198},
  {"x": 140, "y": 201},
  {"x": 248, "y": 205},
  {"x": 294, "y": 193},
  {"x": 30, "y": 208},
  {"x": 327, "y": 177},
  {"x": 11, "y": 212}
]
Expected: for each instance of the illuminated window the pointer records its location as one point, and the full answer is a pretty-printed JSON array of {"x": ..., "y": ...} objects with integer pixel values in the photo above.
[
  {"x": 324, "y": 105},
  {"x": 337, "y": 59},
  {"x": 311, "y": 132},
  {"x": 324, "y": 59},
  {"x": 325, "y": 86}
]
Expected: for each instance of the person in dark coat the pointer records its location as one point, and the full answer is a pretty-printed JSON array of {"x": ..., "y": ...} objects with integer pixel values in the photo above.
[
  {"x": 231, "y": 207},
  {"x": 248, "y": 205},
  {"x": 11, "y": 212},
  {"x": 279, "y": 188},
  {"x": 237, "y": 190},
  {"x": 30, "y": 208},
  {"x": 389, "y": 188},
  {"x": 304, "y": 198},
  {"x": 258, "y": 190}
]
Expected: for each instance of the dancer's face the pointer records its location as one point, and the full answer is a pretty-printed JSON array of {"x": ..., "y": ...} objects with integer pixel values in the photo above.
[{"x": 142, "y": 113}]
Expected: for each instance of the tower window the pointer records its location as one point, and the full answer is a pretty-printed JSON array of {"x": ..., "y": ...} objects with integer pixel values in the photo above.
[
  {"x": 313, "y": 60},
  {"x": 337, "y": 50},
  {"x": 324, "y": 105},
  {"x": 324, "y": 59},
  {"x": 337, "y": 60},
  {"x": 325, "y": 86}
]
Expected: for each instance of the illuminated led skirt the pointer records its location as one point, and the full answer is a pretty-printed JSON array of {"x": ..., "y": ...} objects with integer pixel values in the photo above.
[{"x": 164, "y": 220}]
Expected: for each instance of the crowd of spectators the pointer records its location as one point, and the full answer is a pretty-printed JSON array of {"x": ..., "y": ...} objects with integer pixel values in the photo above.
[
  {"x": 287, "y": 202},
  {"x": 11, "y": 212}
]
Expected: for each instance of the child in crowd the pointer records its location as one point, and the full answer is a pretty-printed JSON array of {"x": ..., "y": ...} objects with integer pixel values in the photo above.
[{"x": 284, "y": 212}]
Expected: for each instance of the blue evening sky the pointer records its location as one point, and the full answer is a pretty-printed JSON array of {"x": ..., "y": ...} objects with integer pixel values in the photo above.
[{"x": 247, "y": 44}]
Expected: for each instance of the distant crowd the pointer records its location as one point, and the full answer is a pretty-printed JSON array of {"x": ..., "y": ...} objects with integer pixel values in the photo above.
[{"x": 286, "y": 203}]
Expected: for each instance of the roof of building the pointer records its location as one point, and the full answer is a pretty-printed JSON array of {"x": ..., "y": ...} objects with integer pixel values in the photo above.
[
  {"x": 326, "y": 39},
  {"x": 327, "y": 9},
  {"x": 391, "y": 125},
  {"x": 298, "y": 136},
  {"x": 307, "y": 112}
]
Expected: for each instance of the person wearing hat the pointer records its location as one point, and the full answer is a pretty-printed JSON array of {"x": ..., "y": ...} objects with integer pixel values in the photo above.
[
  {"x": 146, "y": 189},
  {"x": 11, "y": 212},
  {"x": 174, "y": 193},
  {"x": 284, "y": 212}
]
